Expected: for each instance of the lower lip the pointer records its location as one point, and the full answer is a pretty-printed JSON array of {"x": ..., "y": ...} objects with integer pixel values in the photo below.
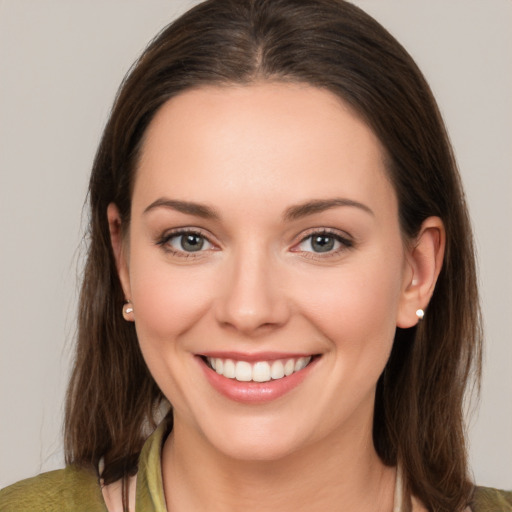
[{"x": 255, "y": 392}]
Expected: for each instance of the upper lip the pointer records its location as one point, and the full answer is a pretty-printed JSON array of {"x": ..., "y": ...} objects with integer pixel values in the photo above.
[{"x": 255, "y": 356}]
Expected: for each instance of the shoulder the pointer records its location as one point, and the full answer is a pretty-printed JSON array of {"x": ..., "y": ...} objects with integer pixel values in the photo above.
[
  {"x": 66, "y": 489},
  {"x": 486, "y": 499}
]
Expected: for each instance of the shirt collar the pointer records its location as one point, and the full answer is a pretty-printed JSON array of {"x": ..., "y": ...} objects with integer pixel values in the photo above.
[{"x": 150, "y": 490}]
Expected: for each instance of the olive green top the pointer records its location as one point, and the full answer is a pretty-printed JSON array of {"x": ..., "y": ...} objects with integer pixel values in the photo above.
[{"x": 78, "y": 490}]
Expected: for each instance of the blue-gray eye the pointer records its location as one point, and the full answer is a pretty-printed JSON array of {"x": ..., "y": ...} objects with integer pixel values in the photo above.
[
  {"x": 189, "y": 242},
  {"x": 320, "y": 242}
]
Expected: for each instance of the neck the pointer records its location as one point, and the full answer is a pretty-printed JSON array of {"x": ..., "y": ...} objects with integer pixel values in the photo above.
[{"x": 342, "y": 472}]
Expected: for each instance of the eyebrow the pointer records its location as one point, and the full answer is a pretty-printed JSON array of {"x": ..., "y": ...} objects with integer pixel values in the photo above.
[
  {"x": 188, "y": 207},
  {"x": 320, "y": 205},
  {"x": 294, "y": 212}
]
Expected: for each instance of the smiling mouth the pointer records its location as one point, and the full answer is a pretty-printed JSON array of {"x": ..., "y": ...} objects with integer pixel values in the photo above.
[{"x": 258, "y": 371}]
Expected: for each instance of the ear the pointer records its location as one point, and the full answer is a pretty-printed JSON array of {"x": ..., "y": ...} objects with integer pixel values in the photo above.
[
  {"x": 118, "y": 247},
  {"x": 424, "y": 260}
]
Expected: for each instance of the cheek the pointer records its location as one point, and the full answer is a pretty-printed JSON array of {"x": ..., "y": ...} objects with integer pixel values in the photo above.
[
  {"x": 167, "y": 299},
  {"x": 356, "y": 306}
]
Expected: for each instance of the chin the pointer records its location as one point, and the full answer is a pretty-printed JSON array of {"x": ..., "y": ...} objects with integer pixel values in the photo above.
[
  {"x": 258, "y": 440},
  {"x": 257, "y": 450}
]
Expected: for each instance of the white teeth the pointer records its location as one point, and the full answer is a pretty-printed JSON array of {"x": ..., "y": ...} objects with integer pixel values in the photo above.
[
  {"x": 301, "y": 363},
  {"x": 229, "y": 369},
  {"x": 261, "y": 371},
  {"x": 243, "y": 371},
  {"x": 277, "y": 370},
  {"x": 289, "y": 367}
]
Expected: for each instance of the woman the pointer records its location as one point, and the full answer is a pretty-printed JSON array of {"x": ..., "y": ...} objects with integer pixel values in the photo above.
[{"x": 279, "y": 248}]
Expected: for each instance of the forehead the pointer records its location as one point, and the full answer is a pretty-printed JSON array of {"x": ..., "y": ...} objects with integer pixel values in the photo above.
[{"x": 269, "y": 140}]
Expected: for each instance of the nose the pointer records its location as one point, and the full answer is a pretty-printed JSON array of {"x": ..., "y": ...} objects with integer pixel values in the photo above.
[{"x": 252, "y": 299}]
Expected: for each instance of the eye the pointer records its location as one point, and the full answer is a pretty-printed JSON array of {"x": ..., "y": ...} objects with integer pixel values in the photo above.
[
  {"x": 185, "y": 242},
  {"x": 323, "y": 242}
]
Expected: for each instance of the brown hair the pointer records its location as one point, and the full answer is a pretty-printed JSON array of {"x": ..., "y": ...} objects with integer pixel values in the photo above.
[{"x": 334, "y": 45}]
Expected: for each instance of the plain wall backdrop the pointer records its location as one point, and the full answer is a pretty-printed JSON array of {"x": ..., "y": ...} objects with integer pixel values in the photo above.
[{"x": 61, "y": 62}]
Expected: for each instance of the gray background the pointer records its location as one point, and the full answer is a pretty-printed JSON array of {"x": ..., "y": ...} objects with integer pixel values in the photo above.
[{"x": 61, "y": 62}]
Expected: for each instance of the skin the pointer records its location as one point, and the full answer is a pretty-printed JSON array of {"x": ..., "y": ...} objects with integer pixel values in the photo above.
[{"x": 251, "y": 153}]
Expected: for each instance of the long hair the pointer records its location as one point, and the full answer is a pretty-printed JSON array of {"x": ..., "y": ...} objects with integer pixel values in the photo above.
[{"x": 330, "y": 44}]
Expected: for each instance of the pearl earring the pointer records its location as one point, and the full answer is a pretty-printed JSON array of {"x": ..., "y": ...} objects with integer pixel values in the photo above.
[
  {"x": 420, "y": 313},
  {"x": 127, "y": 309}
]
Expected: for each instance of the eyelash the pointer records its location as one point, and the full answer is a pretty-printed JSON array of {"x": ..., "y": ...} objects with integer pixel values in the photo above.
[
  {"x": 345, "y": 243},
  {"x": 167, "y": 237}
]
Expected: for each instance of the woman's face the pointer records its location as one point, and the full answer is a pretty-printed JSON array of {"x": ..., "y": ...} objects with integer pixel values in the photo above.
[{"x": 264, "y": 235}]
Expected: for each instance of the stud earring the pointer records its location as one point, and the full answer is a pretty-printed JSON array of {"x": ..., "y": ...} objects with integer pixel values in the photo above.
[
  {"x": 127, "y": 309},
  {"x": 420, "y": 313}
]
